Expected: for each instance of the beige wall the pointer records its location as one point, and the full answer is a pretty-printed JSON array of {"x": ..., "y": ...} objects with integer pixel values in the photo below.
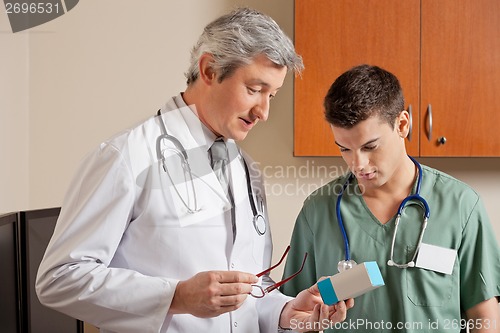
[
  {"x": 14, "y": 118},
  {"x": 105, "y": 65}
]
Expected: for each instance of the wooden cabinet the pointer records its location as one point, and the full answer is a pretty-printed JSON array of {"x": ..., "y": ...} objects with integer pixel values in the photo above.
[{"x": 446, "y": 54}]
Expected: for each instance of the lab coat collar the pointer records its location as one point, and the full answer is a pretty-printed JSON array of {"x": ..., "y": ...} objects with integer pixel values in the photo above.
[
  {"x": 193, "y": 122},
  {"x": 196, "y": 137}
]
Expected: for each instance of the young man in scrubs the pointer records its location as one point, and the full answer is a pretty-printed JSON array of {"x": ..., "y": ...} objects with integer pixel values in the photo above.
[
  {"x": 365, "y": 108},
  {"x": 149, "y": 239}
]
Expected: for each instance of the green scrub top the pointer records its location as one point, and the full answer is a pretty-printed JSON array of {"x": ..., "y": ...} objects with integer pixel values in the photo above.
[{"x": 413, "y": 299}]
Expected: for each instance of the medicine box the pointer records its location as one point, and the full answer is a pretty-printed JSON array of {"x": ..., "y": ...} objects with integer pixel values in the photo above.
[{"x": 351, "y": 283}]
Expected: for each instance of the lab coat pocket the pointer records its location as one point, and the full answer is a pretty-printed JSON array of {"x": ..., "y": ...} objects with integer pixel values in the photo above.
[
  {"x": 186, "y": 199},
  {"x": 428, "y": 288}
]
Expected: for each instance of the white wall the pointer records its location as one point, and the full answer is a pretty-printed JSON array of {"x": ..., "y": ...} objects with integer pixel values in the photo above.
[
  {"x": 106, "y": 65},
  {"x": 98, "y": 69},
  {"x": 14, "y": 118}
]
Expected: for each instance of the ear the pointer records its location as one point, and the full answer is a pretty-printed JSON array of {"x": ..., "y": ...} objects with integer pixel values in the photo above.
[
  {"x": 403, "y": 124},
  {"x": 207, "y": 72}
]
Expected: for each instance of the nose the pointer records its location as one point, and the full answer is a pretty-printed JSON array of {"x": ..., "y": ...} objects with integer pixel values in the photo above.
[
  {"x": 359, "y": 162},
  {"x": 261, "y": 109}
]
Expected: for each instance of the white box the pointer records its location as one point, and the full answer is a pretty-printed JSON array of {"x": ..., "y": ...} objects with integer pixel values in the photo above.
[{"x": 351, "y": 283}]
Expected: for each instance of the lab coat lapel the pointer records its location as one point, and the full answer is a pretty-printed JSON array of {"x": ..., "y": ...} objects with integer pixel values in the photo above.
[{"x": 193, "y": 140}]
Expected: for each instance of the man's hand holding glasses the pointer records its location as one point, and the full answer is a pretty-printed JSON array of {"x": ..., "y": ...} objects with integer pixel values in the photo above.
[{"x": 307, "y": 309}]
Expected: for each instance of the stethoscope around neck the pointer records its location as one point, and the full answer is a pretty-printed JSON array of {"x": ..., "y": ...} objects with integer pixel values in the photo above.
[
  {"x": 348, "y": 262},
  {"x": 258, "y": 220}
]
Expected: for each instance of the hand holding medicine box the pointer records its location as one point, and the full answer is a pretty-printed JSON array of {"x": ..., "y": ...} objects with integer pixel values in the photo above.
[{"x": 351, "y": 283}]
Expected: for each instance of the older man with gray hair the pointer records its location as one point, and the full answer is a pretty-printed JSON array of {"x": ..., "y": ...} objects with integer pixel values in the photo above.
[{"x": 164, "y": 228}]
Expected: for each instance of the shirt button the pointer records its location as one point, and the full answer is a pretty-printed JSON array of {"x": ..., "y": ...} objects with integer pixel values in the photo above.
[
  {"x": 232, "y": 265},
  {"x": 235, "y": 324}
]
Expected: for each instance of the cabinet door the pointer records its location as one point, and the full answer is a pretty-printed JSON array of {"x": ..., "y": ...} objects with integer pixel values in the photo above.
[
  {"x": 335, "y": 35},
  {"x": 460, "y": 77}
]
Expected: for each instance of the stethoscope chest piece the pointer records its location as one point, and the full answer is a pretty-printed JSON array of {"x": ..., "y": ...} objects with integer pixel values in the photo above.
[
  {"x": 259, "y": 223},
  {"x": 257, "y": 206},
  {"x": 344, "y": 265}
]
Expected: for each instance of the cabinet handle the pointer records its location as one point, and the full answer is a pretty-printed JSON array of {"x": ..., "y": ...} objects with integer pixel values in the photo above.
[
  {"x": 442, "y": 140},
  {"x": 411, "y": 122},
  {"x": 429, "y": 120}
]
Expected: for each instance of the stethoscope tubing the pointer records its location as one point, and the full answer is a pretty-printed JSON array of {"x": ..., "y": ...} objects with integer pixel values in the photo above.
[
  {"x": 258, "y": 220},
  {"x": 347, "y": 251},
  {"x": 258, "y": 216},
  {"x": 415, "y": 197}
]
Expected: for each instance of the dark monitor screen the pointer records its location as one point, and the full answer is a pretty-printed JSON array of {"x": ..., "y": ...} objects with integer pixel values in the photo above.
[
  {"x": 9, "y": 278},
  {"x": 37, "y": 227}
]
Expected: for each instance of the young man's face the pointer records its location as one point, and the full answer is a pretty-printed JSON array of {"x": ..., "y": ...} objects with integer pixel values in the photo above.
[
  {"x": 241, "y": 100},
  {"x": 372, "y": 149}
]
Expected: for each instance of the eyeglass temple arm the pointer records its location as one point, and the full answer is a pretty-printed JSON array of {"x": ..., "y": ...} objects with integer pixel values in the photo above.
[
  {"x": 282, "y": 282},
  {"x": 273, "y": 267}
]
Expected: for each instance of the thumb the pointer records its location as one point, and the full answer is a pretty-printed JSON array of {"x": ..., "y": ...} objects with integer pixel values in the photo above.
[{"x": 314, "y": 289}]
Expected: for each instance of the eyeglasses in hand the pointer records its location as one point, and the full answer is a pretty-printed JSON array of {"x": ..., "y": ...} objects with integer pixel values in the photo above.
[{"x": 259, "y": 292}]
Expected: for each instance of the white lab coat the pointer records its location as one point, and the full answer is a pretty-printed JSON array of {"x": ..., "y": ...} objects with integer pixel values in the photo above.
[{"x": 122, "y": 243}]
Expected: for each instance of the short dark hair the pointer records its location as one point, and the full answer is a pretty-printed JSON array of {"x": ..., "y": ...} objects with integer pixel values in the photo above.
[{"x": 361, "y": 92}]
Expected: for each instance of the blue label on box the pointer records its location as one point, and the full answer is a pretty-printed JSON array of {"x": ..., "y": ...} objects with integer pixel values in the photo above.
[
  {"x": 374, "y": 273},
  {"x": 327, "y": 292}
]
